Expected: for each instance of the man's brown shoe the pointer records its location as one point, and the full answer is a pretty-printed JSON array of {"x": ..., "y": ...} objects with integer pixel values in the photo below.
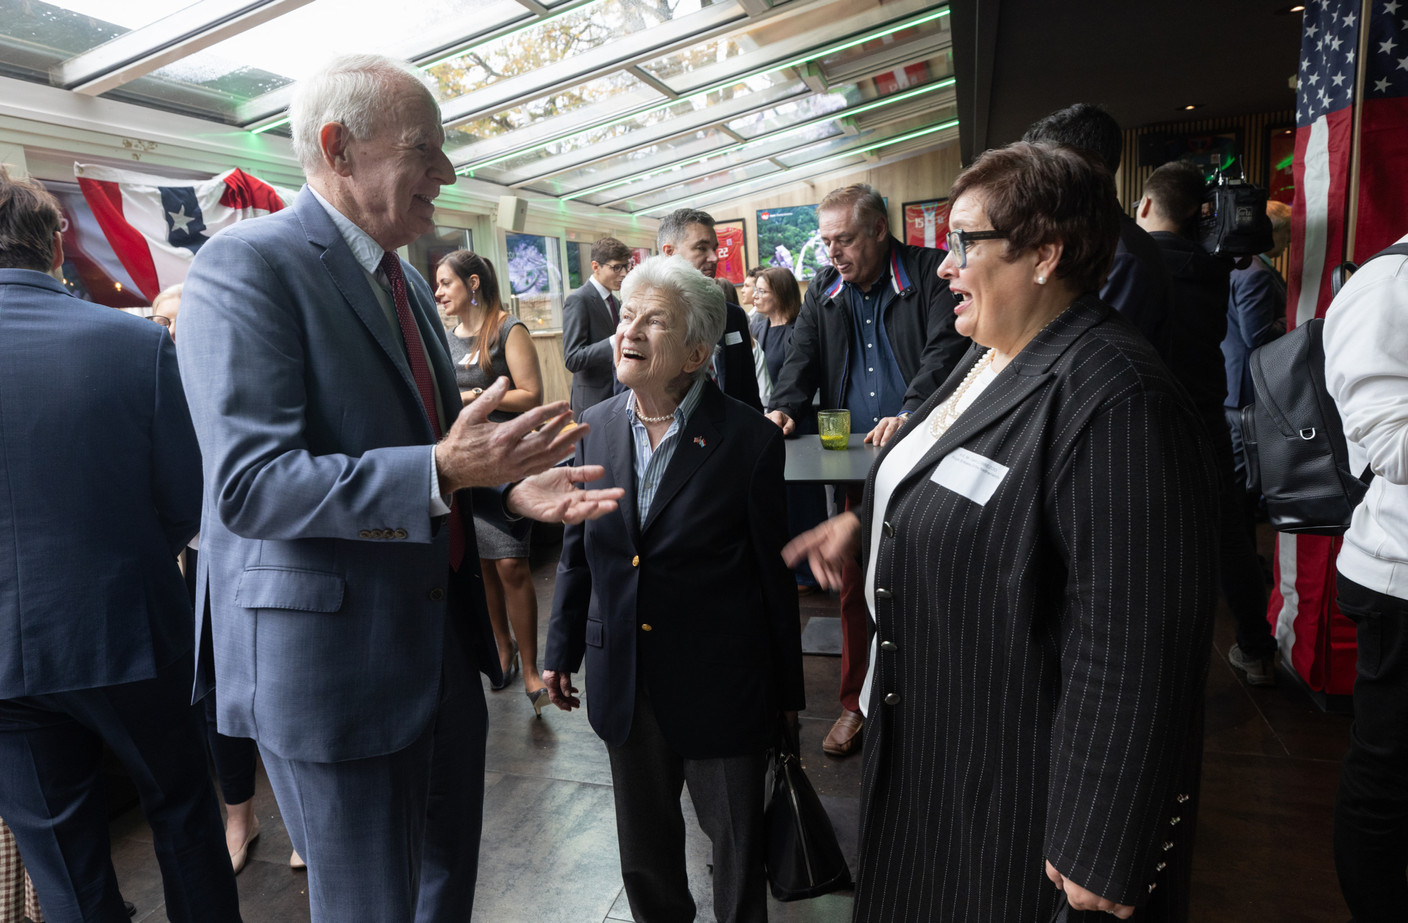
[{"x": 844, "y": 736}]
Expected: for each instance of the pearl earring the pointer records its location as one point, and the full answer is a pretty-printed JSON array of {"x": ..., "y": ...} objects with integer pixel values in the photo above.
[
  {"x": 474, "y": 297},
  {"x": 1041, "y": 280}
]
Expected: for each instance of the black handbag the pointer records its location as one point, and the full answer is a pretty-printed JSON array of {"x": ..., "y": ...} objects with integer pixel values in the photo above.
[{"x": 803, "y": 857}]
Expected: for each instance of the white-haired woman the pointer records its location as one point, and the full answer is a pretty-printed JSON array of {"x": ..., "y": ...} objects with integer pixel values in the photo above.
[{"x": 680, "y": 602}]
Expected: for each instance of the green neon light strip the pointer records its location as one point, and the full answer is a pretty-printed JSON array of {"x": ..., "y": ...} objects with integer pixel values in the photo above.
[
  {"x": 468, "y": 169},
  {"x": 770, "y": 136},
  {"x": 272, "y": 125},
  {"x": 811, "y": 166}
]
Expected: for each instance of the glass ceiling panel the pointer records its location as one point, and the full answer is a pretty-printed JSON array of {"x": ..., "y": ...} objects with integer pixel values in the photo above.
[
  {"x": 40, "y": 35},
  {"x": 613, "y": 137},
  {"x": 697, "y": 187},
  {"x": 555, "y": 39},
  {"x": 642, "y": 158},
  {"x": 464, "y": 137},
  {"x": 276, "y": 53},
  {"x": 760, "y": 123},
  {"x": 845, "y": 57},
  {"x": 630, "y": 182},
  {"x": 729, "y": 192}
]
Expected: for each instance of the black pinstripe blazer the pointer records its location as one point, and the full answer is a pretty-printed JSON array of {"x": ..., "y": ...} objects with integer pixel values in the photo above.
[{"x": 1042, "y": 655}]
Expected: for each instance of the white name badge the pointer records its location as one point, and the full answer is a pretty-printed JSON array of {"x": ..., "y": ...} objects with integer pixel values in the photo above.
[
  {"x": 733, "y": 338},
  {"x": 969, "y": 474}
]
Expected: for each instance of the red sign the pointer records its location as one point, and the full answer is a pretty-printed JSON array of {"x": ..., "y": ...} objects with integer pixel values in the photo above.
[
  {"x": 731, "y": 253},
  {"x": 926, "y": 223}
]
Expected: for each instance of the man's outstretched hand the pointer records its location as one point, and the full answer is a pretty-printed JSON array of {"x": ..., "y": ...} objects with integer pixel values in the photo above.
[{"x": 553, "y": 495}]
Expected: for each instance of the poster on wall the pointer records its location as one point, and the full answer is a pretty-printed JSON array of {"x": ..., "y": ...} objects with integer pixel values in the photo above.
[
  {"x": 534, "y": 279},
  {"x": 733, "y": 250},
  {"x": 788, "y": 237},
  {"x": 926, "y": 223}
]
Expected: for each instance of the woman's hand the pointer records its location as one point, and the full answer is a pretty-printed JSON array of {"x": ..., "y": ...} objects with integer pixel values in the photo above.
[
  {"x": 827, "y": 548},
  {"x": 1081, "y": 899}
]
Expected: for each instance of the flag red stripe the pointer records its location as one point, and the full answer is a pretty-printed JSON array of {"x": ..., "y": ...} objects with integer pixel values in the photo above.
[{"x": 105, "y": 199}]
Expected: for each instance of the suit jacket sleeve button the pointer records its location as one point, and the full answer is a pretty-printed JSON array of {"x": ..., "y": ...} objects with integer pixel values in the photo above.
[
  {"x": 635, "y": 561},
  {"x": 437, "y": 594},
  {"x": 400, "y": 533},
  {"x": 364, "y": 534},
  {"x": 646, "y": 627}
]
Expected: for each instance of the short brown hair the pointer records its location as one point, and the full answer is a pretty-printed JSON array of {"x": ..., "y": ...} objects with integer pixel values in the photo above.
[
  {"x": 608, "y": 249},
  {"x": 29, "y": 217},
  {"x": 1038, "y": 194},
  {"x": 782, "y": 285},
  {"x": 863, "y": 200}
]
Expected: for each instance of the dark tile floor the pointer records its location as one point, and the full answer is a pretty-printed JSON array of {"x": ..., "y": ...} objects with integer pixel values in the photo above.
[{"x": 549, "y": 845}]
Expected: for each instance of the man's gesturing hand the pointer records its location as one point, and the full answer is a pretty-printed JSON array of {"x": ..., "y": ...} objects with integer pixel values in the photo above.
[{"x": 477, "y": 453}]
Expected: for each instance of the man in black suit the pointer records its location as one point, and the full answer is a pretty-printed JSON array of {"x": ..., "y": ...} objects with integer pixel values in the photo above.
[
  {"x": 1138, "y": 285},
  {"x": 1168, "y": 210},
  {"x": 690, "y": 233},
  {"x": 589, "y": 320}
]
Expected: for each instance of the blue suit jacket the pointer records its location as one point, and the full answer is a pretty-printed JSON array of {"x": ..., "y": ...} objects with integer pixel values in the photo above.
[
  {"x": 327, "y": 576},
  {"x": 99, "y": 490},
  {"x": 696, "y": 602}
]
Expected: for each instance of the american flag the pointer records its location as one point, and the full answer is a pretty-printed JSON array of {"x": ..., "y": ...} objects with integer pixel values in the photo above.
[{"x": 1315, "y": 637}]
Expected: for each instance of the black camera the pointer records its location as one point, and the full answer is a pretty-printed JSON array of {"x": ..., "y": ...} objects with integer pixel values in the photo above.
[{"x": 1233, "y": 221}]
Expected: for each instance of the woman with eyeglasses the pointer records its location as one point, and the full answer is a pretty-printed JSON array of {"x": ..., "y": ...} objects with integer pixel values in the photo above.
[{"x": 1038, "y": 546}]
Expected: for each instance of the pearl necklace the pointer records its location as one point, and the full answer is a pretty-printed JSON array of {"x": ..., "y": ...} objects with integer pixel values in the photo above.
[
  {"x": 948, "y": 411},
  {"x": 644, "y": 419}
]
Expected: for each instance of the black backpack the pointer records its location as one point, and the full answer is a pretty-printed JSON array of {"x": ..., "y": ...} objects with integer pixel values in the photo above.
[{"x": 1296, "y": 453}]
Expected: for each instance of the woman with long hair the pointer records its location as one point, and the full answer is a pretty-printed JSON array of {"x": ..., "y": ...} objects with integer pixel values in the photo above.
[{"x": 485, "y": 344}]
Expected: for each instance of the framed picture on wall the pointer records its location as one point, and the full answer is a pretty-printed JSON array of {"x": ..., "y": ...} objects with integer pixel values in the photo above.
[
  {"x": 733, "y": 249},
  {"x": 926, "y": 223},
  {"x": 788, "y": 237}
]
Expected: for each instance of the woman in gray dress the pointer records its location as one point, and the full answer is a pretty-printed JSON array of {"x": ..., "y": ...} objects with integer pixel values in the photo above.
[{"x": 485, "y": 344}]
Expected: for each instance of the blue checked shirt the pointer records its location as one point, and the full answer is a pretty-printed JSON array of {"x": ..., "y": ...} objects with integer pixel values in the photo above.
[{"x": 651, "y": 463}]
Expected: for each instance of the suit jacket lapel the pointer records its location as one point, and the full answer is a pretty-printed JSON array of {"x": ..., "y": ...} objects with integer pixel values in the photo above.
[
  {"x": 698, "y": 441},
  {"x": 348, "y": 277},
  {"x": 620, "y": 459},
  {"x": 1028, "y": 371}
]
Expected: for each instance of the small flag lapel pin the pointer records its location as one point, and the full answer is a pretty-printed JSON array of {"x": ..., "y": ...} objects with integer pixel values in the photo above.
[{"x": 699, "y": 441}]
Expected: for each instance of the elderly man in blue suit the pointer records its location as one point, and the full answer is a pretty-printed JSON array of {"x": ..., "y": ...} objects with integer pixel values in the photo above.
[
  {"x": 345, "y": 615},
  {"x": 101, "y": 472}
]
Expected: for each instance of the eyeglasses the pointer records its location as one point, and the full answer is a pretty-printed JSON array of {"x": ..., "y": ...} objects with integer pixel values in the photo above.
[
  {"x": 617, "y": 267},
  {"x": 958, "y": 243},
  {"x": 162, "y": 319}
]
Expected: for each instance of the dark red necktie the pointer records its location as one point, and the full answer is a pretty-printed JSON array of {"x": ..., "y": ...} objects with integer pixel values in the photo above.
[
  {"x": 425, "y": 384},
  {"x": 611, "y": 305}
]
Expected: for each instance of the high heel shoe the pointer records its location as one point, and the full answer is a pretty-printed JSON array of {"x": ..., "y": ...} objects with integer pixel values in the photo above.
[
  {"x": 511, "y": 672},
  {"x": 538, "y": 700},
  {"x": 241, "y": 855}
]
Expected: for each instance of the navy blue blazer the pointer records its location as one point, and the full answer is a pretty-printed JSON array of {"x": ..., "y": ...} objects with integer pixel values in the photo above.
[
  {"x": 101, "y": 473},
  {"x": 696, "y": 602}
]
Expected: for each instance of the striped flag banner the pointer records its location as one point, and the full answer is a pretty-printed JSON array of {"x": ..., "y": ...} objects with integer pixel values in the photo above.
[
  {"x": 1318, "y": 641},
  {"x": 156, "y": 224}
]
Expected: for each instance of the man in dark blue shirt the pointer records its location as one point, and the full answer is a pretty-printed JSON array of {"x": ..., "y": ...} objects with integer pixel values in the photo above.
[{"x": 875, "y": 336}]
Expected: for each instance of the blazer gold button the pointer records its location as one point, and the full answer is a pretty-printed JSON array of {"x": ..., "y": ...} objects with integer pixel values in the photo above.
[
  {"x": 882, "y": 593},
  {"x": 400, "y": 533},
  {"x": 646, "y": 627},
  {"x": 437, "y": 594},
  {"x": 889, "y": 530},
  {"x": 365, "y": 534},
  {"x": 892, "y": 698},
  {"x": 889, "y": 646},
  {"x": 635, "y": 561}
]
